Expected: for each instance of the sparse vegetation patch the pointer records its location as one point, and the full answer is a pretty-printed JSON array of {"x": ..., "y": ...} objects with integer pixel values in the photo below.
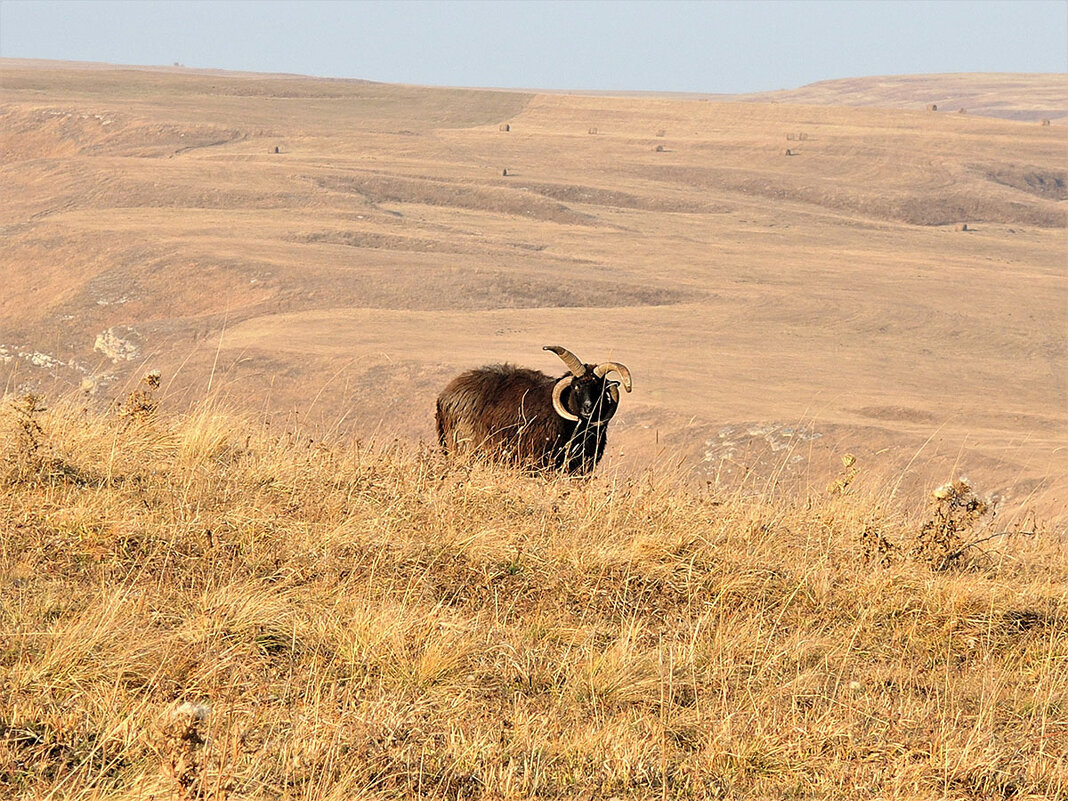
[{"x": 1043, "y": 183}]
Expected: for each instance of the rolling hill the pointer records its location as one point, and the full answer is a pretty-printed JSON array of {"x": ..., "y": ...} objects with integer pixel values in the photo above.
[{"x": 790, "y": 277}]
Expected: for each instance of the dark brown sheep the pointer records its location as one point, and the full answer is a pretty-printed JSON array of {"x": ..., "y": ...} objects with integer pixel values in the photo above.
[{"x": 529, "y": 418}]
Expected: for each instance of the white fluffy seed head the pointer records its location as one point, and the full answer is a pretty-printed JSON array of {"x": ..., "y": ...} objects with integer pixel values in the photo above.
[
  {"x": 943, "y": 492},
  {"x": 192, "y": 711}
]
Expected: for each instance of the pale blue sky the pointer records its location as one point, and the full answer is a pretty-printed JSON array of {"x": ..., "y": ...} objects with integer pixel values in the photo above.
[{"x": 679, "y": 45}]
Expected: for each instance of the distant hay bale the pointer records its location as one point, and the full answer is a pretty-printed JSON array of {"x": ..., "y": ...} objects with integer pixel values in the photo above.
[
  {"x": 659, "y": 148},
  {"x": 791, "y": 137},
  {"x": 661, "y": 132},
  {"x": 789, "y": 152},
  {"x": 1045, "y": 122},
  {"x": 932, "y": 107},
  {"x": 802, "y": 136},
  {"x": 961, "y": 110},
  {"x": 591, "y": 130},
  {"x": 505, "y": 127},
  {"x": 963, "y": 227},
  {"x": 276, "y": 149},
  {"x": 504, "y": 172}
]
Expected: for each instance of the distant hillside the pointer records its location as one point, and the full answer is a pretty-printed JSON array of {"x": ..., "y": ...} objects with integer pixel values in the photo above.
[
  {"x": 787, "y": 282},
  {"x": 1008, "y": 96}
]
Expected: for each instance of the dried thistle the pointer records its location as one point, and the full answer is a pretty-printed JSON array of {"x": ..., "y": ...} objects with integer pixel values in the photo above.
[
  {"x": 841, "y": 484},
  {"x": 183, "y": 742},
  {"x": 942, "y": 540},
  {"x": 23, "y": 442},
  {"x": 30, "y": 432},
  {"x": 877, "y": 547},
  {"x": 141, "y": 404}
]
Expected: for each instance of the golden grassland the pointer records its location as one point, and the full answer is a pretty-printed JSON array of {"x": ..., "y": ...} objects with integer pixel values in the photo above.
[
  {"x": 207, "y": 606},
  {"x": 360, "y": 244}
]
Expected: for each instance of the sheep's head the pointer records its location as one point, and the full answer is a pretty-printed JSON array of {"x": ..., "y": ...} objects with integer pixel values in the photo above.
[{"x": 588, "y": 393}]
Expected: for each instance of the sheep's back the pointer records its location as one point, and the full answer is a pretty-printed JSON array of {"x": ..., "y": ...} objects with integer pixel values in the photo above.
[{"x": 499, "y": 406}]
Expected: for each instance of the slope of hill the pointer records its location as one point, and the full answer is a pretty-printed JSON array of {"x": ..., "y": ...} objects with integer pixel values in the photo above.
[
  {"x": 199, "y": 606},
  {"x": 786, "y": 282},
  {"x": 1024, "y": 97}
]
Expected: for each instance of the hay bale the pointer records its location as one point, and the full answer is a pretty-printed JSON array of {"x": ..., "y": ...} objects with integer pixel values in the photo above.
[
  {"x": 789, "y": 152},
  {"x": 659, "y": 148},
  {"x": 1045, "y": 122},
  {"x": 591, "y": 130},
  {"x": 661, "y": 132},
  {"x": 505, "y": 127},
  {"x": 932, "y": 107}
]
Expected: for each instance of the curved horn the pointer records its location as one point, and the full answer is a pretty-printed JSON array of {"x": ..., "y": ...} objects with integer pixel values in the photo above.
[
  {"x": 613, "y": 390},
  {"x": 604, "y": 368},
  {"x": 577, "y": 368},
  {"x": 558, "y": 401}
]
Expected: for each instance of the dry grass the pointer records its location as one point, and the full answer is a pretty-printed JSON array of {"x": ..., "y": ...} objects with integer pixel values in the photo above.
[{"x": 204, "y": 607}]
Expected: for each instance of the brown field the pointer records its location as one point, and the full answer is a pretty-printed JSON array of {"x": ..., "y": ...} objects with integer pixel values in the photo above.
[
  {"x": 776, "y": 310},
  {"x": 722, "y": 611}
]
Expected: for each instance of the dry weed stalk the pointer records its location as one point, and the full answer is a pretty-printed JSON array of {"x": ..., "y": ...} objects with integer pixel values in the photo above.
[
  {"x": 26, "y": 453},
  {"x": 22, "y": 437},
  {"x": 141, "y": 405},
  {"x": 956, "y": 512},
  {"x": 850, "y": 472},
  {"x": 29, "y": 432}
]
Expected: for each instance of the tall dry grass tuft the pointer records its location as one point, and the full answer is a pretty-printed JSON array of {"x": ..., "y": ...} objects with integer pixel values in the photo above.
[{"x": 375, "y": 622}]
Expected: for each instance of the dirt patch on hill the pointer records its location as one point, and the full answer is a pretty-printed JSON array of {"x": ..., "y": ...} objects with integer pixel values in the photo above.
[
  {"x": 128, "y": 193},
  {"x": 432, "y": 288},
  {"x": 1019, "y": 96},
  {"x": 376, "y": 241},
  {"x": 426, "y": 191},
  {"x": 50, "y": 132},
  {"x": 195, "y": 289},
  {"x": 897, "y": 413},
  {"x": 527, "y": 292},
  {"x": 947, "y": 208},
  {"x": 64, "y": 132},
  {"x": 594, "y": 196},
  {"x": 164, "y": 141},
  {"x": 935, "y": 206},
  {"x": 1049, "y": 184}
]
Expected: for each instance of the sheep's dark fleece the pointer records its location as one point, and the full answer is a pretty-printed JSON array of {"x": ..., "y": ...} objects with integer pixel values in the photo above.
[{"x": 529, "y": 418}]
